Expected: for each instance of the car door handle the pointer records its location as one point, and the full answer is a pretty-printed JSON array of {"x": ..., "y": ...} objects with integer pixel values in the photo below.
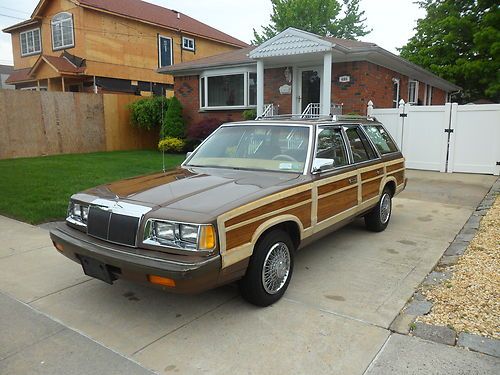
[{"x": 353, "y": 180}]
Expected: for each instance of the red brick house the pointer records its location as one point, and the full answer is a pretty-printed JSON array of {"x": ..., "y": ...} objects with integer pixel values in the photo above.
[{"x": 302, "y": 73}]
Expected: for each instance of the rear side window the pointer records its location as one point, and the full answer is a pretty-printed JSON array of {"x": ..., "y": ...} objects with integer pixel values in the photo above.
[
  {"x": 360, "y": 147},
  {"x": 380, "y": 139}
]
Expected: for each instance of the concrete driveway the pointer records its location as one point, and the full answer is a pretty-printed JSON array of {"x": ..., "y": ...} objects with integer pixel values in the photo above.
[{"x": 345, "y": 292}]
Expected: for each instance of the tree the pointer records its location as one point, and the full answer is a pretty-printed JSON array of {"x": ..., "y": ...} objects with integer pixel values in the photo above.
[
  {"x": 173, "y": 123},
  {"x": 459, "y": 40},
  {"x": 320, "y": 17}
]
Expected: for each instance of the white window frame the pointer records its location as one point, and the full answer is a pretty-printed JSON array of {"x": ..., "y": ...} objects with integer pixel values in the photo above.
[
  {"x": 395, "y": 102},
  {"x": 428, "y": 94},
  {"x": 35, "y": 51},
  {"x": 187, "y": 39},
  {"x": 225, "y": 72},
  {"x": 57, "y": 23},
  {"x": 171, "y": 50},
  {"x": 415, "y": 99}
]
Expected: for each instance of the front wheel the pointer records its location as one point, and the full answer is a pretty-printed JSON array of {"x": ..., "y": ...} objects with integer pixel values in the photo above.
[
  {"x": 270, "y": 269},
  {"x": 378, "y": 219}
]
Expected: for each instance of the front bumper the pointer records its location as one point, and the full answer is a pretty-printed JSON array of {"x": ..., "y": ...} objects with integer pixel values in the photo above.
[{"x": 191, "y": 274}]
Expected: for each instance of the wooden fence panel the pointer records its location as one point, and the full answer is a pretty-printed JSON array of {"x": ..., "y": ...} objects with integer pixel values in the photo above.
[
  {"x": 48, "y": 123},
  {"x": 120, "y": 135}
]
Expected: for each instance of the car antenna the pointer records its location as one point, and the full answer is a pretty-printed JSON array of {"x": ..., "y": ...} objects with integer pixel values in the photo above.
[{"x": 163, "y": 148}]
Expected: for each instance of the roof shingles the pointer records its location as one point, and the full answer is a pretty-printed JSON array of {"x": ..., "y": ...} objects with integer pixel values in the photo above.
[{"x": 162, "y": 16}]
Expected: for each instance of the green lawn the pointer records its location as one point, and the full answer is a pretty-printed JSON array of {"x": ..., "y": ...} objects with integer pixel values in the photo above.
[{"x": 37, "y": 190}]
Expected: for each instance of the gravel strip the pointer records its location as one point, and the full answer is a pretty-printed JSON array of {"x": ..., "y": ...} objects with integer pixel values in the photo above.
[{"x": 470, "y": 300}]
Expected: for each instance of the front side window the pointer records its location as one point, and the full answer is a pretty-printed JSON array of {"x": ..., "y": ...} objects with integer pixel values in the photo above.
[
  {"x": 229, "y": 90},
  {"x": 62, "y": 31},
  {"x": 330, "y": 146},
  {"x": 381, "y": 139},
  {"x": 30, "y": 42},
  {"x": 360, "y": 147},
  {"x": 413, "y": 92},
  {"x": 255, "y": 147}
]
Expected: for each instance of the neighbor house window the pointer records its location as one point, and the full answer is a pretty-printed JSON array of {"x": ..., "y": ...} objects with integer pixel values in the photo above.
[
  {"x": 395, "y": 92},
  {"x": 228, "y": 90},
  {"x": 413, "y": 92},
  {"x": 62, "y": 31},
  {"x": 165, "y": 51},
  {"x": 30, "y": 42},
  {"x": 428, "y": 95},
  {"x": 188, "y": 43}
]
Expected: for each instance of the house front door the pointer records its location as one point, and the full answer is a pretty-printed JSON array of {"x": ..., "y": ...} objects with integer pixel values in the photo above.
[{"x": 310, "y": 87}]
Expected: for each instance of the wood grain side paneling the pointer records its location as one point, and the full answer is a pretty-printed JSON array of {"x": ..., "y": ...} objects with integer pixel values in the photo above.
[
  {"x": 242, "y": 235},
  {"x": 371, "y": 189},
  {"x": 337, "y": 203},
  {"x": 400, "y": 177},
  {"x": 371, "y": 174},
  {"x": 327, "y": 188},
  {"x": 395, "y": 167},
  {"x": 270, "y": 207}
]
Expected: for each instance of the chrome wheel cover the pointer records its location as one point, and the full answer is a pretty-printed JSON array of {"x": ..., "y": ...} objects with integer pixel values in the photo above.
[
  {"x": 385, "y": 208},
  {"x": 276, "y": 268}
]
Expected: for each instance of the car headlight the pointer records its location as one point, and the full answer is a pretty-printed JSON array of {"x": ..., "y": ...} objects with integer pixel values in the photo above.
[
  {"x": 78, "y": 213},
  {"x": 179, "y": 235}
]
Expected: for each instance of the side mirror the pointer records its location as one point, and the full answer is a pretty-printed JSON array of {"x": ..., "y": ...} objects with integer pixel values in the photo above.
[
  {"x": 320, "y": 164},
  {"x": 188, "y": 154}
]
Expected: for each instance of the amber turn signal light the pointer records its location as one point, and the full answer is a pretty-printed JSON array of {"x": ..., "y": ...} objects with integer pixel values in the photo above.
[
  {"x": 160, "y": 280},
  {"x": 207, "y": 238},
  {"x": 58, "y": 246}
]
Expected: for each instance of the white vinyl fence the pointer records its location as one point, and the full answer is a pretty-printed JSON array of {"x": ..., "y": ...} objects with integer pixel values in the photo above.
[{"x": 447, "y": 138}]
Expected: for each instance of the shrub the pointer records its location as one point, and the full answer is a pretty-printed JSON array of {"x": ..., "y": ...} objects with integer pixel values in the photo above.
[
  {"x": 173, "y": 123},
  {"x": 172, "y": 145},
  {"x": 250, "y": 114},
  {"x": 203, "y": 128},
  {"x": 147, "y": 113}
]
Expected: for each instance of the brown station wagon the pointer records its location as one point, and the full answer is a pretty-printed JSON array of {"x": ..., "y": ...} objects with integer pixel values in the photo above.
[{"x": 239, "y": 206}]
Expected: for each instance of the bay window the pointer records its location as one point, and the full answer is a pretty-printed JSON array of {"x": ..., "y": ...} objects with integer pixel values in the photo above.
[{"x": 229, "y": 90}]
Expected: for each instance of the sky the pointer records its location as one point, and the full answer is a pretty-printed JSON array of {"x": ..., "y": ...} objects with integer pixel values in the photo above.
[{"x": 392, "y": 21}]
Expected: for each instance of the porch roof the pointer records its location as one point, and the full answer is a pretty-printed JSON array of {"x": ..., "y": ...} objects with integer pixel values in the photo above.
[{"x": 296, "y": 47}]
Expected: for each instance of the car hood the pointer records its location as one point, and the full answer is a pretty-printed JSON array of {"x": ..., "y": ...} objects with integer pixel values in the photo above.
[{"x": 203, "y": 190}]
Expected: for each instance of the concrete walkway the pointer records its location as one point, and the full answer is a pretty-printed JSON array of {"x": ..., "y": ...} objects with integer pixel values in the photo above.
[{"x": 345, "y": 292}]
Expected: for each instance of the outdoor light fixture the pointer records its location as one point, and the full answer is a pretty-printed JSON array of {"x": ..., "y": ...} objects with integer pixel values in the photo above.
[{"x": 288, "y": 75}]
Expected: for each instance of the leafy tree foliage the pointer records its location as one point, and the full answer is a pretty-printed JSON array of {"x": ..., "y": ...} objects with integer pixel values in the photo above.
[
  {"x": 322, "y": 17},
  {"x": 147, "y": 113},
  {"x": 173, "y": 123},
  {"x": 459, "y": 40}
]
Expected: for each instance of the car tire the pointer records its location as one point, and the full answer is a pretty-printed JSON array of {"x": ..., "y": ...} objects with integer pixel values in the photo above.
[
  {"x": 378, "y": 218},
  {"x": 269, "y": 270}
]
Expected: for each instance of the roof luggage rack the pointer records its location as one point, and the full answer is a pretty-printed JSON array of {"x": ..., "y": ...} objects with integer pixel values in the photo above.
[{"x": 301, "y": 117}]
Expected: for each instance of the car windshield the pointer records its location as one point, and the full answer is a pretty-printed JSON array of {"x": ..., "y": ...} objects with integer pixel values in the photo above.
[{"x": 255, "y": 147}]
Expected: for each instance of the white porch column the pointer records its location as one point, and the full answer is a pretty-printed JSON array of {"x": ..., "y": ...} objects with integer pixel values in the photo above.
[
  {"x": 260, "y": 87},
  {"x": 327, "y": 84},
  {"x": 295, "y": 88}
]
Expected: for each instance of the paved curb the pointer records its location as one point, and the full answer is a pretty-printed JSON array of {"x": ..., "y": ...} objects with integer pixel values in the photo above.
[{"x": 418, "y": 305}]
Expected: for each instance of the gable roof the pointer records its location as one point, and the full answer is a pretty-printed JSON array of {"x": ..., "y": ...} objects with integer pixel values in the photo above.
[
  {"x": 19, "y": 75},
  {"x": 149, "y": 13}
]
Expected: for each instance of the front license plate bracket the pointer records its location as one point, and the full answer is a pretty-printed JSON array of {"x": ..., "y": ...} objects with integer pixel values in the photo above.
[{"x": 97, "y": 269}]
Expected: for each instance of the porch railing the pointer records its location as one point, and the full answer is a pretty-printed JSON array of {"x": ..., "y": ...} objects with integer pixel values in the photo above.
[
  {"x": 313, "y": 110},
  {"x": 270, "y": 110}
]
